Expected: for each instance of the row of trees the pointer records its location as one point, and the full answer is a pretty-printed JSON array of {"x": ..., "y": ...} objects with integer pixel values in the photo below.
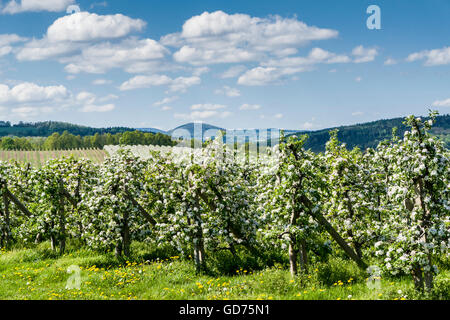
[
  {"x": 388, "y": 206},
  {"x": 68, "y": 141}
]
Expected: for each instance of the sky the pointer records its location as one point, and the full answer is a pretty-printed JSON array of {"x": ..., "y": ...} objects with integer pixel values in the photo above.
[{"x": 289, "y": 64}]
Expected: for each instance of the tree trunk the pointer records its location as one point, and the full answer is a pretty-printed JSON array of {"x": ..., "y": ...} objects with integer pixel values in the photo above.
[
  {"x": 293, "y": 258},
  {"x": 126, "y": 236},
  {"x": 334, "y": 234},
  {"x": 62, "y": 220},
  {"x": 53, "y": 240},
  {"x": 429, "y": 276},
  {"x": 418, "y": 278},
  {"x": 118, "y": 250},
  {"x": 303, "y": 256},
  {"x": 199, "y": 247},
  {"x": 7, "y": 229}
]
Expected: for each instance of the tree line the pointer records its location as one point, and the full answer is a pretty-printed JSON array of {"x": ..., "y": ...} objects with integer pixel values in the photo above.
[{"x": 68, "y": 141}]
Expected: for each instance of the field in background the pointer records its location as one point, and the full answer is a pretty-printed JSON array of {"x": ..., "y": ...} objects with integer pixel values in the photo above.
[{"x": 38, "y": 158}]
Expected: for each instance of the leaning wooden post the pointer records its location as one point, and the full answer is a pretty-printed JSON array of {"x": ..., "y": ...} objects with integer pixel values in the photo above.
[
  {"x": 62, "y": 219},
  {"x": 7, "y": 230},
  {"x": 6, "y": 236}
]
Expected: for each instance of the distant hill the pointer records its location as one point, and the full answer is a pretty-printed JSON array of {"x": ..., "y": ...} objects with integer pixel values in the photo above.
[
  {"x": 200, "y": 131},
  {"x": 47, "y": 128},
  {"x": 368, "y": 135},
  {"x": 152, "y": 130},
  {"x": 204, "y": 131}
]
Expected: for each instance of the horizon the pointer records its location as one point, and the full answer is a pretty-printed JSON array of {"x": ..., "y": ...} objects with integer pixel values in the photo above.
[
  {"x": 236, "y": 129},
  {"x": 294, "y": 65}
]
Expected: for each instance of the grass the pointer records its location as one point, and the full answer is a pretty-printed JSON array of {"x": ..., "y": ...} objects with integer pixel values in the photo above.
[
  {"x": 38, "y": 158},
  {"x": 40, "y": 274}
]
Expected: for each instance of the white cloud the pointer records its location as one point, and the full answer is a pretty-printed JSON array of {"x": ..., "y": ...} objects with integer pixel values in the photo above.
[
  {"x": 100, "y": 82},
  {"x": 183, "y": 83},
  {"x": 28, "y": 92},
  {"x": 250, "y": 107},
  {"x": 86, "y": 97},
  {"x": 132, "y": 55},
  {"x": 109, "y": 97},
  {"x": 316, "y": 56},
  {"x": 279, "y": 116},
  {"x": 140, "y": 82},
  {"x": 18, "y": 6},
  {"x": 42, "y": 49},
  {"x": 85, "y": 26},
  {"x": 200, "y": 71},
  {"x": 259, "y": 76},
  {"x": 432, "y": 57},
  {"x": 207, "y": 106},
  {"x": 179, "y": 84},
  {"x": 233, "y": 72},
  {"x": 390, "y": 62},
  {"x": 274, "y": 69},
  {"x": 30, "y": 112},
  {"x": 96, "y": 108},
  {"x": 204, "y": 111},
  {"x": 6, "y": 40},
  {"x": 78, "y": 40},
  {"x": 88, "y": 102},
  {"x": 165, "y": 101},
  {"x": 357, "y": 113},
  {"x": 442, "y": 103},
  {"x": 228, "y": 91},
  {"x": 358, "y": 79},
  {"x": 219, "y": 37},
  {"x": 362, "y": 54},
  {"x": 307, "y": 126}
]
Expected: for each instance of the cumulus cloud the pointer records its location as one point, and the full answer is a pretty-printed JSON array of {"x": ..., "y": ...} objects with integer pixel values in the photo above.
[
  {"x": 362, "y": 54},
  {"x": 233, "y": 72},
  {"x": 132, "y": 55},
  {"x": 259, "y": 76},
  {"x": 6, "y": 41},
  {"x": 273, "y": 70},
  {"x": 89, "y": 102},
  {"x": 442, "y": 103},
  {"x": 140, "y": 82},
  {"x": 204, "y": 111},
  {"x": 82, "y": 41},
  {"x": 85, "y": 26},
  {"x": 279, "y": 116},
  {"x": 18, "y": 6},
  {"x": 165, "y": 101},
  {"x": 390, "y": 62},
  {"x": 219, "y": 37},
  {"x": 207, "y": 106},
  {"x": 100, "y": 82},
  {"x": 28, "y": 92},
  {"x": 178, "y": 84},
  {"x": 434, "y": 57},
  {"x": 250, "y": 107},
  {"x": 97, "y": 108},
  {"x": 228, "y": 91}
]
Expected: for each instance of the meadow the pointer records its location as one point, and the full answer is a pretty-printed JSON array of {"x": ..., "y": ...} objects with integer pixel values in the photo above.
[{"x": 37, "y": 273}]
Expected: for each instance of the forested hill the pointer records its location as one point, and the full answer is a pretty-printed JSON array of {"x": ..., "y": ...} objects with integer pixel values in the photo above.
[
  {"x": 47, "y": 128},
  {"x": 368, "y": 135}
]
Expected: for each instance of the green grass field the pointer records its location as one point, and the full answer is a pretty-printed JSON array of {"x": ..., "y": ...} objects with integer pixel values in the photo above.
[
  {"x": 40, "y": 274},
  {"x": 38, "y": 158}
]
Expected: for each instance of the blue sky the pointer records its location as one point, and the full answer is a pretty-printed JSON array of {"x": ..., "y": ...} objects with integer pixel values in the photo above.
[{"x": 238, "y": 64}]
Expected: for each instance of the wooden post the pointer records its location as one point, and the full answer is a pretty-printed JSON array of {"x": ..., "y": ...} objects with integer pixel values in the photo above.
[
  {"x": 7, "y": 230},
  {"x": 62, "y": 219}
]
